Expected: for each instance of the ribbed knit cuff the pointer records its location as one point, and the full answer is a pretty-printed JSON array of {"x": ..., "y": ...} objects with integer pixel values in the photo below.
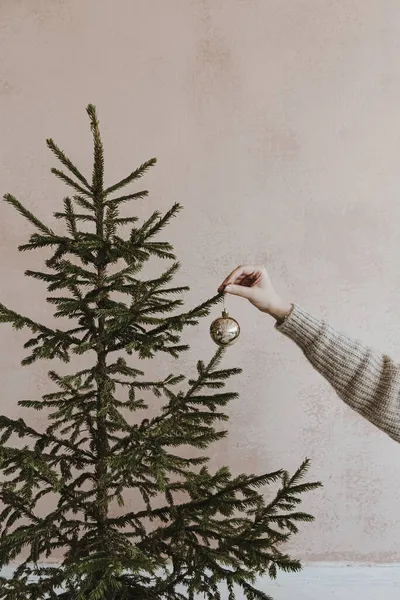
[{"x": 300, "y": 327}]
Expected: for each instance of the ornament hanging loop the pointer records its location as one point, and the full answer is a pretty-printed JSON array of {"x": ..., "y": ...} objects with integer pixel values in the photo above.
[{"x": 225, "y": 312}]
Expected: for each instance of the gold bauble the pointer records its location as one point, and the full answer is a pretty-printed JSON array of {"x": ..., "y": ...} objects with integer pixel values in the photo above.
[{"x": 224, "y": 331}]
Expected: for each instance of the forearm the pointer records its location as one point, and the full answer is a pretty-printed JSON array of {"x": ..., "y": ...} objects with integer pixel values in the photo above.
[{"x": 367, "y": 381}]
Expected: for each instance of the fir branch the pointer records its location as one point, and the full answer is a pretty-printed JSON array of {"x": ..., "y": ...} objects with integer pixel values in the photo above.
[
  {"x": 44, "y": 241},
  {"x": 98, "y": 163},
  {"x": 163, "y": 221},
  {"x": 121, "y": 199},
  {"x": 188, "y": 318},
  {"x": 19, "y": 427},
  {"x": 70, "y": 217},
  {"x": 139, "y": 172},
  {"x": 47, "y": 344},
  {"x": 18, "y": 321},
  {"x": 71, "y": 183},
  {"x": 67, "y": 162},
  {"x": 83, "y": 203},
  {"x": 210, "y": 500},
  {"x": 126, "y": 220},
  {"x": 253, "y": 593},
  {"x": 28, "y": 215}
]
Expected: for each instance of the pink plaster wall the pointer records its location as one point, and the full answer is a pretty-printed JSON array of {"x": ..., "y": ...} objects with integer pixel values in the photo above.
[{"x": 277, "y": 125}]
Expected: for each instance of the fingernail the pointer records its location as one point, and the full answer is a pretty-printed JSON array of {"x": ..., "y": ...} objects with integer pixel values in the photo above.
[{"x": 228, "y": 288}]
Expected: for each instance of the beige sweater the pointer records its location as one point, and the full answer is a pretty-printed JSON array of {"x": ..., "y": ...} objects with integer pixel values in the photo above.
[{"x": 367, "y": 381}]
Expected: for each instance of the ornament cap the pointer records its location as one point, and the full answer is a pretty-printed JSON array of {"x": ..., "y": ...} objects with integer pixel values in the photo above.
[{"x": 225, "y": 313}]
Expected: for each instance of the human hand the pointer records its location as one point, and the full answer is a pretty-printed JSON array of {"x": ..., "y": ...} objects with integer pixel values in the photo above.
[{"x": 254, "y": 284}]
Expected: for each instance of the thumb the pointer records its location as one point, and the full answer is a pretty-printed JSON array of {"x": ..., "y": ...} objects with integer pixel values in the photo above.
[{"x": 239, "y": 290}]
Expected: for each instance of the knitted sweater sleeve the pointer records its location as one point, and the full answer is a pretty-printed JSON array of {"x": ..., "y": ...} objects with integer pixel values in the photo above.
[{"x": 369, "y": 382}]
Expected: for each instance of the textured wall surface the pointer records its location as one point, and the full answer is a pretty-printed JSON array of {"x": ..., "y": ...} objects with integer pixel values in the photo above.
[{"x": 277, "y": 125}]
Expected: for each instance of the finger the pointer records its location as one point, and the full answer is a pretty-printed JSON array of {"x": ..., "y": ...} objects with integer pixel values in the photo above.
[
  {"x": 232, "y": 281},
  {"x": 239, "y": 290},
  {"x": 241, "y": 278},
  {"x": 232, "y": 277},
  {"x": 251, "y": 280},
  {"x": 238, "y": 272},
  {"x": 248, "y": 280},
  {"x": 245, "y": 282}
]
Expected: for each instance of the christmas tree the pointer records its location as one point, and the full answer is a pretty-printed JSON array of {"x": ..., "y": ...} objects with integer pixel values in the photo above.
[{"x": 193, "y": 531}]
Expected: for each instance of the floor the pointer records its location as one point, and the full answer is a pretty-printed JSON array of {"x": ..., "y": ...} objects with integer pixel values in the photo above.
[
  {"x": 322, "y": 581},
  {"x": 339, "y": 582}
]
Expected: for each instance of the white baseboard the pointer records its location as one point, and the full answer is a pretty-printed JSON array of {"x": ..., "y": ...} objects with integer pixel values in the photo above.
[{"x": 323, "y": 581}]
